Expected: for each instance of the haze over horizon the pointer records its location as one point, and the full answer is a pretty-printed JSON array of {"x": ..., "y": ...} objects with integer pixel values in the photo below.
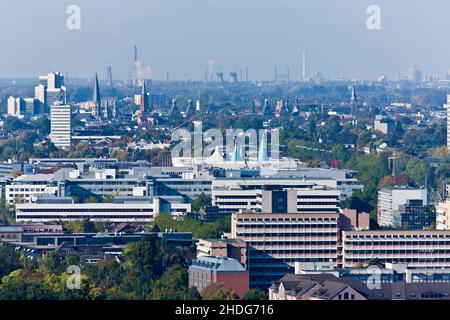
[{"x": 181, "y": 36}]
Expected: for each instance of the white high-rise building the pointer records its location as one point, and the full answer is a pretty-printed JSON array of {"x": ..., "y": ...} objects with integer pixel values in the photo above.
[
  {"x": 448, "y": 121},
  {"x": 397, "y": 205},
  {"x": 50, "y": 90},
  {"x": 16, "y": 106},
  {"x": 60, "y": 118}
]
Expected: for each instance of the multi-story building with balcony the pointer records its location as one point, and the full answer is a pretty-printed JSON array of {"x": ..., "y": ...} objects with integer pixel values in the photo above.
[
  {"x": 417, "y": 249},
  {"x": 277, "y": 240}
]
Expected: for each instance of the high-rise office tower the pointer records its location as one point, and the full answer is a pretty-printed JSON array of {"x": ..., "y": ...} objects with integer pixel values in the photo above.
[
  {"x": 414, "y": 75},
  {"x": 135, "y": 68},
  {"x": 353, "y": 100},
  {"x": 109, "y": 76},
  {"x": 16, "y": 106},
  {"x": 233, "y": 77},
  {"x": 50, "y": 90},
  {"x": 60, "y": 123},
  {"x": 96, "y": 98},
  {"x": 448, "y": 122}
]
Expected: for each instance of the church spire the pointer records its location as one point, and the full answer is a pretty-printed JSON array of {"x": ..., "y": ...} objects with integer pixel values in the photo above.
[
  {"x": 144, "y": 98},
  {"x": 96, "y": 97}
]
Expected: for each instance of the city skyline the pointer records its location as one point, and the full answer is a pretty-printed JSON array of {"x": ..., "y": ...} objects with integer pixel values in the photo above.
[{"x": 171, "y": 36}]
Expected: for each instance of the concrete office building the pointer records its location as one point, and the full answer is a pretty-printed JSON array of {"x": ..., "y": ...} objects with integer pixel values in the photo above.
[
  {"x": 23, "y": 188},
  {"x": 277, "y": 241},
  {"x": 242, "y": 188},
  {"x": 188, "y": 187},
  {"x": 314, "y": 200},
  {"x": 417, "y": 249},
  {"x": 106, "y": 182},
  {"x": 49, "y": 91},
  {"x": 76, "y": 182},
  {"x": 127, "y": 211},
  {"x": 300, "y": 196},
  {"x": 61, "y": 125},
  {"x": 404, "y": 207}
]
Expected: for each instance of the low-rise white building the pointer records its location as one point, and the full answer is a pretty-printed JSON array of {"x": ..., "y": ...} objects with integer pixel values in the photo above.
[
  {"x": 127, "y": 211},
  {"x": 23, "y": 188}
]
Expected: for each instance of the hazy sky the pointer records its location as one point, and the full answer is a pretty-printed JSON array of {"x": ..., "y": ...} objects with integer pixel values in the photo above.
[{"x": 182, "y": 35}]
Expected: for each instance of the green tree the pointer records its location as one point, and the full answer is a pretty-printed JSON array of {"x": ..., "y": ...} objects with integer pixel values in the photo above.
[
  {"x": 9, "y": 260},
  {"x": 12, "y": 124},
  {"x": 200, "y": 203},
  {"x": 26, "y": 284},
  {"x": 52, "y": 263},
  {"x": 144, "y": 263},
  {"x": 173, "y": 286},
  {"x": 41, "y": 124},
  {"x": 418, "y": 171},
  {"x": 218, "y": 291},
  {"x": 256, "y": 294}
]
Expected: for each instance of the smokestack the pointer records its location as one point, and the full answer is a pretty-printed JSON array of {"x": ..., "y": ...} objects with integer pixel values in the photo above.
[
  {"x": 135, "y": 54},
  {"x": 304, "y": 66}
]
